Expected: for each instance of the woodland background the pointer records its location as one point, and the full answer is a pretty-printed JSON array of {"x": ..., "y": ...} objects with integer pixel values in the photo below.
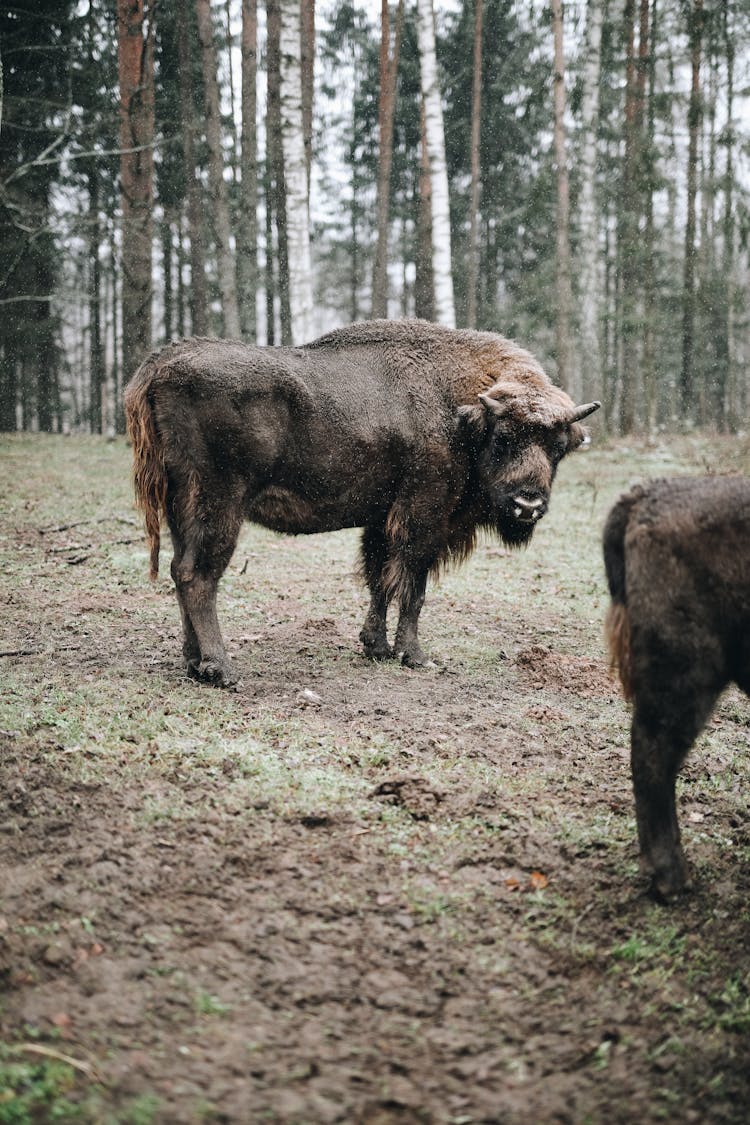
[{"x": 575, "y": 176}]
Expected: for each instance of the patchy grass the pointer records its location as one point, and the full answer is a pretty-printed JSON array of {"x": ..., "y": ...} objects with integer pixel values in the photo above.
[{"x": 348, "y": 892}]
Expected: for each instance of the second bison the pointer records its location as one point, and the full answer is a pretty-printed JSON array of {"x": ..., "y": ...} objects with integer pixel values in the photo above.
[
  {"x": 419, "y": 434},
  {"x": 677, "y": 556}
]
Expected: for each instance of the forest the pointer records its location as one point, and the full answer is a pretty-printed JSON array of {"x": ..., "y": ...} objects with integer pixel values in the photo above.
[{"x": 574, "y": 176}]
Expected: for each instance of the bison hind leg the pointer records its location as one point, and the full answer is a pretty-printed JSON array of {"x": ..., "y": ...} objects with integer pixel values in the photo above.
[
  {"x": 201, "y": 554},
  {"x": 373, "y": 635},
  {"x": 665, "y": 726}
]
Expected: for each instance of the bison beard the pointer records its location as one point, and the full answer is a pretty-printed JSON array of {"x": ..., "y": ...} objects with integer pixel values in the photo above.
[
  {"x": 420, "y": 435},
  {"x": 676, "y": 555}
]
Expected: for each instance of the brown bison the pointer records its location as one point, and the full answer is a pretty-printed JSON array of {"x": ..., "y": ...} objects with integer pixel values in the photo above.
[
  {"x": 419, "y": 434},
  {"x": 677, "y": 557}
]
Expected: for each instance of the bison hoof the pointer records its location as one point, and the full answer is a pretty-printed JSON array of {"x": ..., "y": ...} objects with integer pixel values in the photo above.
[
  {"x": 669, "y": 877},
  {"x": 213, "y": 672},
  {"x": 420, "y": 662},
  {"x": 376, "y": 650}
]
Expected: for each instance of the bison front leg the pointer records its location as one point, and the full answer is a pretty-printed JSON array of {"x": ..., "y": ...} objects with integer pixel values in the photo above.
[{"x": 410, "y": 606}]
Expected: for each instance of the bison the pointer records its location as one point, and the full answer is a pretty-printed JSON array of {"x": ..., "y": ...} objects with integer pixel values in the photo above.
[
  {"x": 419, "y": 434},
  {"x": 677, "y": 558}
]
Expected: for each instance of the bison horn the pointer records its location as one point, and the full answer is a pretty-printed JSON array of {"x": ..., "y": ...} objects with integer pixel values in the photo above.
[{"x": 581, "y": 412}]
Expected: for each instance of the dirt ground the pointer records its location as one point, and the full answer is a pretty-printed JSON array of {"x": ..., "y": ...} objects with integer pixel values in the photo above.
[{"x": 347, "y": 892}]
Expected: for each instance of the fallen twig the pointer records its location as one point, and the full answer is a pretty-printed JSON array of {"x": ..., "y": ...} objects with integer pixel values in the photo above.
[
  {"x": 83, "y": 523},
  {"x": 50, "y": 1053}
]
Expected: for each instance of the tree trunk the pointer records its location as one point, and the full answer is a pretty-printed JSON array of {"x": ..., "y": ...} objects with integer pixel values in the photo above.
[
  {"x": 649, "y": 271},
  {"x": 96, "y": 350},
  {"x": 307, "y": 65},
  {"x": 564, "y": 345},
  {"x": 424, "y": 280},
  {"x": 276, "y": 201},
  {"x": 219, "y": 202},
  {"x": 627, "y": 235},
  {"x": 476, "y": 121},
  {"x": 728, "y": 373},
  {"x": 136, "y": 76},
  {"x": 386, "y": 107},
  {"x": 590, "y": 383},
  {"x": 198, "y": 288},
  {"x": 232, "y": 123},
  {"x": 295, "y": 174},
  {"x": 444, "y": 311},
  {"x": 247, "y": 234},
  {"x": 687, "y": 389}
]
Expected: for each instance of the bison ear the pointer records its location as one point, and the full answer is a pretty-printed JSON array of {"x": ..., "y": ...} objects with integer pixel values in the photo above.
[
  {"x": 475, "y": 417},
  {"x": 492, "y": 405}
]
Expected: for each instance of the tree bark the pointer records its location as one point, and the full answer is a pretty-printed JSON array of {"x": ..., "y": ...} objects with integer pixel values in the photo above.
[
  {"x": 307, "y": 65},
  {"x": 217, "y": 187},
  {"x": 198, "y": 288},
  {"x": 687, "y": 388},
  {"x": 590, "y": 383},
  {"x": 728, "y": 373},
  {"x": 136, "y": 76},
  {"x": 476, "y": 121},
  {"x": 424, "y": 280},
  {"x": 96, "y": 350},
  {"x": 247, "y": 234},
  {"x": 627, "y": 235},
  {"x": 564, "y": 344},
  {"x": 386, "y": 108},
  {"x": 444, "y": 311},
  {"x": 276, "y": 199},
  {"x": 295, "y": 174}
]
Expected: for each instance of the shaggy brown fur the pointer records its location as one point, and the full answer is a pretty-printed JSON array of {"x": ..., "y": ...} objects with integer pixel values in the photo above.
[
  {"x": 677, "y": 557},
  {"x": 417, "y": 433}
]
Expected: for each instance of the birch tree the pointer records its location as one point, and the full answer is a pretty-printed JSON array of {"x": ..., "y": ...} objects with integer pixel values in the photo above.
[
  {"x": 295, "y": 174},
  {"x": 444, "y": 310},
  {"x": 217, "y": 186},
  {"x": 590, "y": 379}
]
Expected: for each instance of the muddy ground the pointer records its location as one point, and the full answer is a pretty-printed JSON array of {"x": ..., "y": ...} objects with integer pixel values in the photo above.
[{"x": 347, "y": 892}]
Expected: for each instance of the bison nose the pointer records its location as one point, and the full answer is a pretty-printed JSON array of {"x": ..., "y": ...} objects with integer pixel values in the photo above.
[{"x": 528, "y": 511}]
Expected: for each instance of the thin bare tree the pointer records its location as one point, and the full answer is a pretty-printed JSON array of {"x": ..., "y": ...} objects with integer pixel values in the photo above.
[
  {"x": 389, "y": 54},
  {"x": 295, "y": 173},
  {"x": 219, "y": 202},
  {"x": 247, "y": 232},
  {"x": 434, "y": 133},
  {"x": 564, "y": 296},
  {"x": 196, "y": 232},
  {"x": 136, "y": 76},
  {"x": 589, "y": 370},
  {"x": 476, "y": 122}
]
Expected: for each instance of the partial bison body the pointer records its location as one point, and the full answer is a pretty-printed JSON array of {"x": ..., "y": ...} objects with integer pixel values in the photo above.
[
  {"x": 677, "y": 556},
  {"x": 418, "y": 434}
]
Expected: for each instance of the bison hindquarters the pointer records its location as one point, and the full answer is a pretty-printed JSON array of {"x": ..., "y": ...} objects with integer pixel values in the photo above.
[{"x": 677, "y": 628}]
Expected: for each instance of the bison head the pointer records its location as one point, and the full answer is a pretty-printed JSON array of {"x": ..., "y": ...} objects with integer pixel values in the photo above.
[{"x": 520, "y": 434}]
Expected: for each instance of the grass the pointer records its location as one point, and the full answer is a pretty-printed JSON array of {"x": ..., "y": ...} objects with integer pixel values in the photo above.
[{"x": 534, "y": 775}]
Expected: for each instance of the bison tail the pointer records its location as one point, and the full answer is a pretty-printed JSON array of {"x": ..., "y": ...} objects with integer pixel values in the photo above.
[
  {"x": 617, "y": 623},
  {"x": 149, "y": 473}
]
